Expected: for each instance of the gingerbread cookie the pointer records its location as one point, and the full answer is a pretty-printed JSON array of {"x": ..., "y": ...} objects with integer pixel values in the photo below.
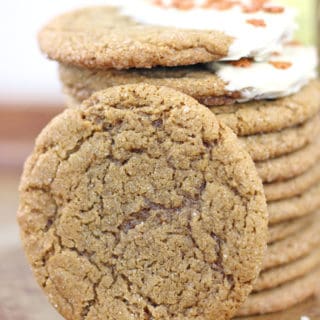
[
  {"x": 293, "y": 247},
  {"x": 278, "y": 276},
  {"x": 296, "y": 207},
  {"x": 110, "y": 37},
  {"x": 217, "y": 83},
  {"x": 270, "y": 116},
  {"x": 283, "y": 297},
  {"x": 273, "y": 145},
  {"x": 196, "y": 81},
  {"x": 293, "y": 187},
  {"x": 285, "y": 229},
  {"x": 141, "y": 204},
  {"x": 291, "y": 165},
  {"x": 245, "y": 119}
]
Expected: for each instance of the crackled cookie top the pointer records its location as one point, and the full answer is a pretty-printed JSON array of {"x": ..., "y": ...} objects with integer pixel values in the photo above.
[
  {"x": 142, "y": 205},
  {"x": 144, "y": 34}
]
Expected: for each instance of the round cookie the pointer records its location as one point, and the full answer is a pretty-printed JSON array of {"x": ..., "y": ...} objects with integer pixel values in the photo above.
[
  {"x": 293, "y": 187},
  {"x": 196, "y": 81},
  {"x": 145, "y": 34},
  {"x": 272, "y": 145},
  {"x": 101, "y": 37},
  {"x": 245, "y": 119},
  {"x": 271, "y": 115},
  {"x": 283, "y": 297},
  {"x": 293, "y": 247},
  {"x": 296, "y": 207},
  {"x": 141, "y": 204},
  {"x": 291, "y": 165},
  {"x": 282, "y": 230},
  {"x": 278, "y": 276}
]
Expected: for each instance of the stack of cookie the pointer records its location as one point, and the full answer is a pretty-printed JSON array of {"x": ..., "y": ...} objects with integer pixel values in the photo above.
[{"x": 238, "y": 59}]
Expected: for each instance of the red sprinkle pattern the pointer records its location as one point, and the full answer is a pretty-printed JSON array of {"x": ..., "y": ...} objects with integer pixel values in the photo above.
[{"x": 254, "y": 6}]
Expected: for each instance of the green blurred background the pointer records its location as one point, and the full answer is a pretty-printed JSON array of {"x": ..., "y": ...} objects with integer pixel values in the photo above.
[{"x": 307, "y": 19}]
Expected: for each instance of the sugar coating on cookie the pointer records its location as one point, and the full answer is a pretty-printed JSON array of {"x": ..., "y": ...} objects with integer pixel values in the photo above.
[{"x": 142, "y": 205}]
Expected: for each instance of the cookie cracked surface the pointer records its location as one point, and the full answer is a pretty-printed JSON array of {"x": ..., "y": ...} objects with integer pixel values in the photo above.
[
  {"x": 101, "y": 37},
  {"x": 142, "y": 205}
]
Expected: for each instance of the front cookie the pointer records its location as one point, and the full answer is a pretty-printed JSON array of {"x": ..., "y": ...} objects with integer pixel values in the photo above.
[{"x": 142, "y": 205}]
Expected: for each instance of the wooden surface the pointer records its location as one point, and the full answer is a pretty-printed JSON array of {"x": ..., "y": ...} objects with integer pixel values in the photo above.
[{"x": 20, "y": 297}]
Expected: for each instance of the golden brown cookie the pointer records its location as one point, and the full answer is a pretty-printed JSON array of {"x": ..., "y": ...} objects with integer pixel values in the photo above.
[
  {"x": 196, "y": 81},
  {"x": 293, "y": 187},
  {"x": 295, "y": 207},
  {"x": 294, "y": 247},
  {"x": 273, "y": 145},
  {"x": 101, "y": 37},
  {"x": 141, "y": 204},
  {"x": 283, "y": 297},
  {"x": 278, "y": 276},
  {"x": 269, "y": 116},
  {"x": 245, "y": 119},
  {"x": 291, "y": 165},
  {"x": 285, "y": 229}
]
